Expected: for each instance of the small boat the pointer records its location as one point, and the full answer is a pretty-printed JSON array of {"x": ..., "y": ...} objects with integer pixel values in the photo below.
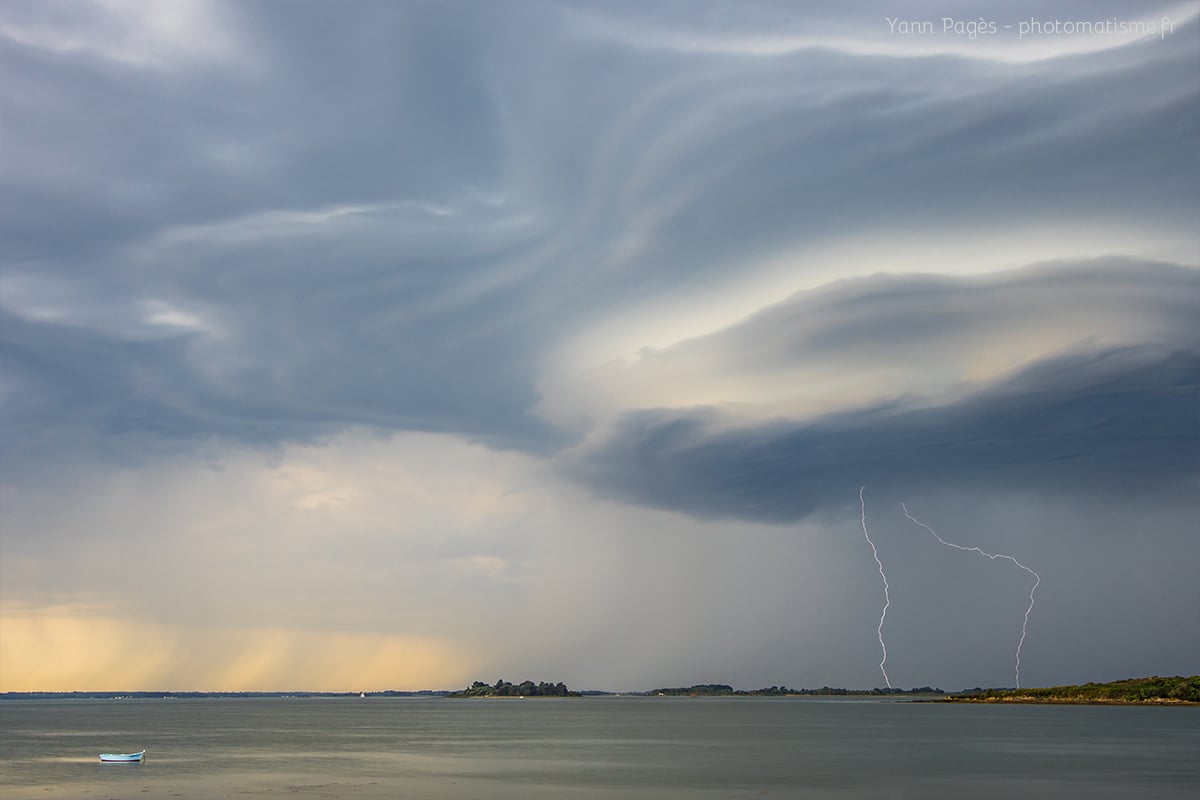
[{"x": 123, "y": 757}]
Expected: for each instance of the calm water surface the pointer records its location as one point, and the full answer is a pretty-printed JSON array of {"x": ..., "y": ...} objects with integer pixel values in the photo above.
[{"x": 595, "y": 748}]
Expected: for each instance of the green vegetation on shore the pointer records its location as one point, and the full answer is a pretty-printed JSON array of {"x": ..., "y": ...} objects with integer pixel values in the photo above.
[
  {"x": 523, "y": 689},
  {"x": 722, "y": 690},
  {"x": 1153, "y": 690}
]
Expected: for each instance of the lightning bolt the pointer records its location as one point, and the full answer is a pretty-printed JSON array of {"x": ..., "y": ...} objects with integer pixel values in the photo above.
[
  {"x": 887, "y": 598},
  {"x": 1037, "y": 579}
]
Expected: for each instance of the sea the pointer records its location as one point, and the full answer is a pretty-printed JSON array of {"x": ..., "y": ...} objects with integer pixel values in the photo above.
[{"x": 594, "y": 747}]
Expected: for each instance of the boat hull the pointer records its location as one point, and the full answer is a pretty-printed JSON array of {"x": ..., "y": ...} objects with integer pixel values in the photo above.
[{"x": 122, "y": 758}]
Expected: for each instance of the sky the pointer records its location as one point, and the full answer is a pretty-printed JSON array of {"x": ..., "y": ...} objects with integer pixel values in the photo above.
[{"x": 396, "y": 345}]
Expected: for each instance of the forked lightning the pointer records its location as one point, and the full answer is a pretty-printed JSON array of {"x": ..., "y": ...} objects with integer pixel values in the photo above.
[
  {"x": 1037, "y": 579},
  {"x": 887, "y": 599}
]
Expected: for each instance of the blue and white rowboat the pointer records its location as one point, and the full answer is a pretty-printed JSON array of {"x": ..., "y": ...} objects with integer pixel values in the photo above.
[{"x": 123, "y": 757}]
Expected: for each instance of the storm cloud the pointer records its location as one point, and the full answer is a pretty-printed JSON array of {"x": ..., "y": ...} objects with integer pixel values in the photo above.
[{"x": 1098, "y": 423}]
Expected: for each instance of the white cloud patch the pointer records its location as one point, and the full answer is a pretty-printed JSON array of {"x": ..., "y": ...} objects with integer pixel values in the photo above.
[
  {"x": 159, "y": 34},
  {"x": 87, "y": 304},
  {"x": 918, "y": 337}
]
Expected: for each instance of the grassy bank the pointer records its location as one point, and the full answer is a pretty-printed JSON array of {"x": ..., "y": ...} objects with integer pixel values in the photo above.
[{"x": 1155, "y": 690}]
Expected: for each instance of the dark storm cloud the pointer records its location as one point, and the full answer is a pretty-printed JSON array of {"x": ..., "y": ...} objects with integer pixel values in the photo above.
[
  {"x": 1120, "y": 419},
  {"x": 128, "y": 399},
  {"x": 391, "y": 216}
]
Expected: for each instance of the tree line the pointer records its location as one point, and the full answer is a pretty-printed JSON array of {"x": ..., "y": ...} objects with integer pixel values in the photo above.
[
  {"x": 503, "y": 688},
  {"x": 1154, "y": 689}
]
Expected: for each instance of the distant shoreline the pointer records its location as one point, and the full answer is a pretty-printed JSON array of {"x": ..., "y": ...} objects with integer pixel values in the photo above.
[{"x": 1151, "y": 691}]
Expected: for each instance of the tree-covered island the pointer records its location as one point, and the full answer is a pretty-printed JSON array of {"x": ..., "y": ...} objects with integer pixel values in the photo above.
[
  {"x": 1154, "y": 690},
  {"x": 503, "y": 688}
]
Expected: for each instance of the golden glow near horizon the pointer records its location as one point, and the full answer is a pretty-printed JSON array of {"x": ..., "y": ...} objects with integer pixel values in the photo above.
[
  {"x": 308, "y": 570},
  {"x": 55, "y": 651},
  {"x": 417, "y": 561}
]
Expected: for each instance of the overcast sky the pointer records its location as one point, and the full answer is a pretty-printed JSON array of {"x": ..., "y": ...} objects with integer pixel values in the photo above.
[{"x": 378, "y": 345}]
